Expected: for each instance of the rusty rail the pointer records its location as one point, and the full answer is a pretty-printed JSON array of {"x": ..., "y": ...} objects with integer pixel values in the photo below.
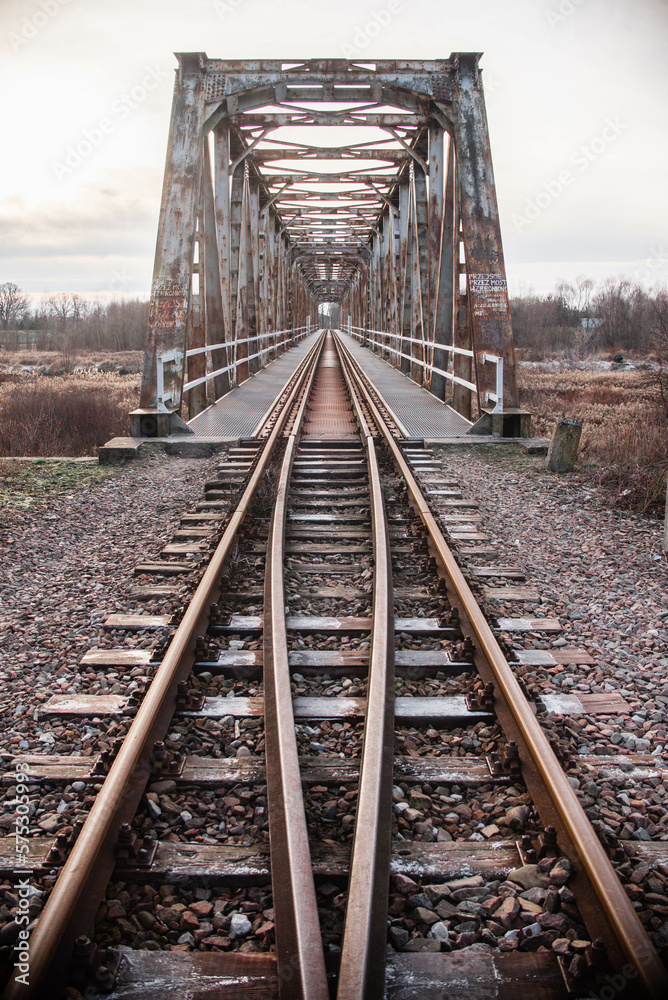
[
  {"x": 299, "y": 954},
  {"x": 626, "y": 932},
  {"x": 364, "y": 948},
  {"x": 98, "y": 830}
]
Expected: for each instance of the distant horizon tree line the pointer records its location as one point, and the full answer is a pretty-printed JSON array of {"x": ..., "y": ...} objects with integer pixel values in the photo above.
[
  {"x": 578, "y": 318},
  {"x": 584, "y": 317},
  {"x": 67, "y": 322}
]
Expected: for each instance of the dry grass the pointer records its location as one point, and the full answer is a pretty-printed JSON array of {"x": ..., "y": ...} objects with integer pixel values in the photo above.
[
  {"x": 132, "y": 360},
  {"x": 25, "y": 485},
  {"x": 625, "y": 432},
  {"x": 64, "y": 415}
]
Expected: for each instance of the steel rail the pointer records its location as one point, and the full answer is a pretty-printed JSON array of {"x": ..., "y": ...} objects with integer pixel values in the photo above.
[
  {"x": 622, "y": 918},
  {"x": 79, "y": 868},
  {"x": 299, "y": 951},
  {"x": 364, "y": 948}
]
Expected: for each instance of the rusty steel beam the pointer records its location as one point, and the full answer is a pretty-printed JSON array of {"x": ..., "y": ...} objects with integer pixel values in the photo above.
[
  {"x": 435, "y": 245},
  {"x": 196, "y": 328},
  {"x": 244, "y": 286},
  {"x": 404, "y": 271},
  {"x": 420, "y": 274},
  {"x": 346, "y": 119},
  {"x": 485, "y": 269},
  {"x": 441, "y": 305},
  {"x": 339, "y": 153},
  {"x": 279, "y": 236},
  {"x": 254, "y": 234},
  {"x": 329, "y": 69},
  {"x": 217, "y": 332},
  {"x": 172, "y": 273},
  {"x": 221, "y": 192}
]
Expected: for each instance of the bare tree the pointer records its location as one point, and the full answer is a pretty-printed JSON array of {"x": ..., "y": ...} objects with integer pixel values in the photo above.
[
  {"x": 623, "y": 308},
  {"x": 584, "y": 289},
  {"x": 58, "y": 307},
  {"x": 64, "y": 307},
  {"x": 659, "y": 342},
  {"x": 14, "y": 305},
  {"x": 67, "y": 310}
]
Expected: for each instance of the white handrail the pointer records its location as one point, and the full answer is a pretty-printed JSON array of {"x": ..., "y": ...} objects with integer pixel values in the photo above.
[
  {"x": 414, "y": 340},
  {"x": 298, "y": 335},
  {"x": 423, "y": 364},
  {"x": 498, "y": 395},
  {"x": 191, "y": 352}
]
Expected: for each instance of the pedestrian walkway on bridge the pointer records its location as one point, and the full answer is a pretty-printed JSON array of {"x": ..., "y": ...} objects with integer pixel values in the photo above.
[{"x": 239, "y": 413}]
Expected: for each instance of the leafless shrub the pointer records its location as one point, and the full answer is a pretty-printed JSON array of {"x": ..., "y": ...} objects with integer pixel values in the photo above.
[
  {"x": 62, "y": 416},
  {"x": 625, "y": 432}
]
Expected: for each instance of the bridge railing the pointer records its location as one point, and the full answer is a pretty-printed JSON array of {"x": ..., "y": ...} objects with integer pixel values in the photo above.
[
  {"x": 292, "y": 337},
  {"x": 366, "y": 336}
]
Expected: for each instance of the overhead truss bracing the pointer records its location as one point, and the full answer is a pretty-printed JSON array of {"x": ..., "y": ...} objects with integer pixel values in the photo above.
[{"x": 363, "y": 187}]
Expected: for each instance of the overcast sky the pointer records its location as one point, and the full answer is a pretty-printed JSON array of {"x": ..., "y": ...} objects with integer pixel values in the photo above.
[{"x": 576, "y": 98}]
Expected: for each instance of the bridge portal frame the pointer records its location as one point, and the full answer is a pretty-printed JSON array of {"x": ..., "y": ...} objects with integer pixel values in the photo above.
[{"x": 419, "y": 267}]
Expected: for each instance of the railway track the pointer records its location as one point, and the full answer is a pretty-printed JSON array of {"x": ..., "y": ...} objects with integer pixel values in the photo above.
[{"x": 355, "y": 733}]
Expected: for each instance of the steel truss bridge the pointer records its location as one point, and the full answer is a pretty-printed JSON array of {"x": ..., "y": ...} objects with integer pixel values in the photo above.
[{"x": 325, "y": 192}]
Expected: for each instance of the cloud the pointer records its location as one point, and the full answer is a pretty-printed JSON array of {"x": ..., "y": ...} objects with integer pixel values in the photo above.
[
  {"x": 102, "y": 221},
  {"x": 550, "y": 89}
]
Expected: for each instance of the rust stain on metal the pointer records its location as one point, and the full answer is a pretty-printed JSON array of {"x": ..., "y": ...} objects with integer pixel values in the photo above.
[{"x": 370, "y": 229}]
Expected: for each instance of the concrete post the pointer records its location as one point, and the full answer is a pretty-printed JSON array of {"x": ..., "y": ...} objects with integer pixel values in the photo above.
[{"x": 563, "y": 449}]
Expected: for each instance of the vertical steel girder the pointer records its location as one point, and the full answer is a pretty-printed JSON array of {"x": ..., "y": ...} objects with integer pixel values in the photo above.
[
  {"x": 404, "y": 271},
  {"x": 211, "y": 271},
  {"x": 487, "y": 288},
  {"x": 221, "y": 194},
  {"x": 171, "y": 290},
  {"x": 269, "y": 251},
  {"x": 196, "y": 328}
]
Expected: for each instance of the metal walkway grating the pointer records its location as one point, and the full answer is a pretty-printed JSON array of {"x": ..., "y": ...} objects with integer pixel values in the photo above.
[
  {"x": 328, "y": 415},
  {"x": 237, "y": 414},
  {"x": 422, "y": 414}
]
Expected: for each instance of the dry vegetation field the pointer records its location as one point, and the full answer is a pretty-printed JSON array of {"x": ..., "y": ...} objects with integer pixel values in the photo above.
[
  {"x": 64, "y": 411},
  {"x": 625, "y": 434}
]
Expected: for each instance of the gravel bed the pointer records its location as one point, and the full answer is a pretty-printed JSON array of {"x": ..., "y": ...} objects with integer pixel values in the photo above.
[
  {"x": 445, "y": 813},
  {"x": 338, "y": 739},
  {"x": 72, "y": 565},
  {"x": 173, "y": 918},
  {"x": 67, "y": 564},
  {"x": 456, "y": 742},
  {"x": 236, "y": 815},
  {"x": 602, "y": 574},
  {"x": 532, "y": 908}
]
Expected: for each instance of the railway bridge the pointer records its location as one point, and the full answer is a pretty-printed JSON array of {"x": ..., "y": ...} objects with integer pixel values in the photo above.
[
  {"x": 328, "y": 192},
  {"x": 327, "y": 756}
]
